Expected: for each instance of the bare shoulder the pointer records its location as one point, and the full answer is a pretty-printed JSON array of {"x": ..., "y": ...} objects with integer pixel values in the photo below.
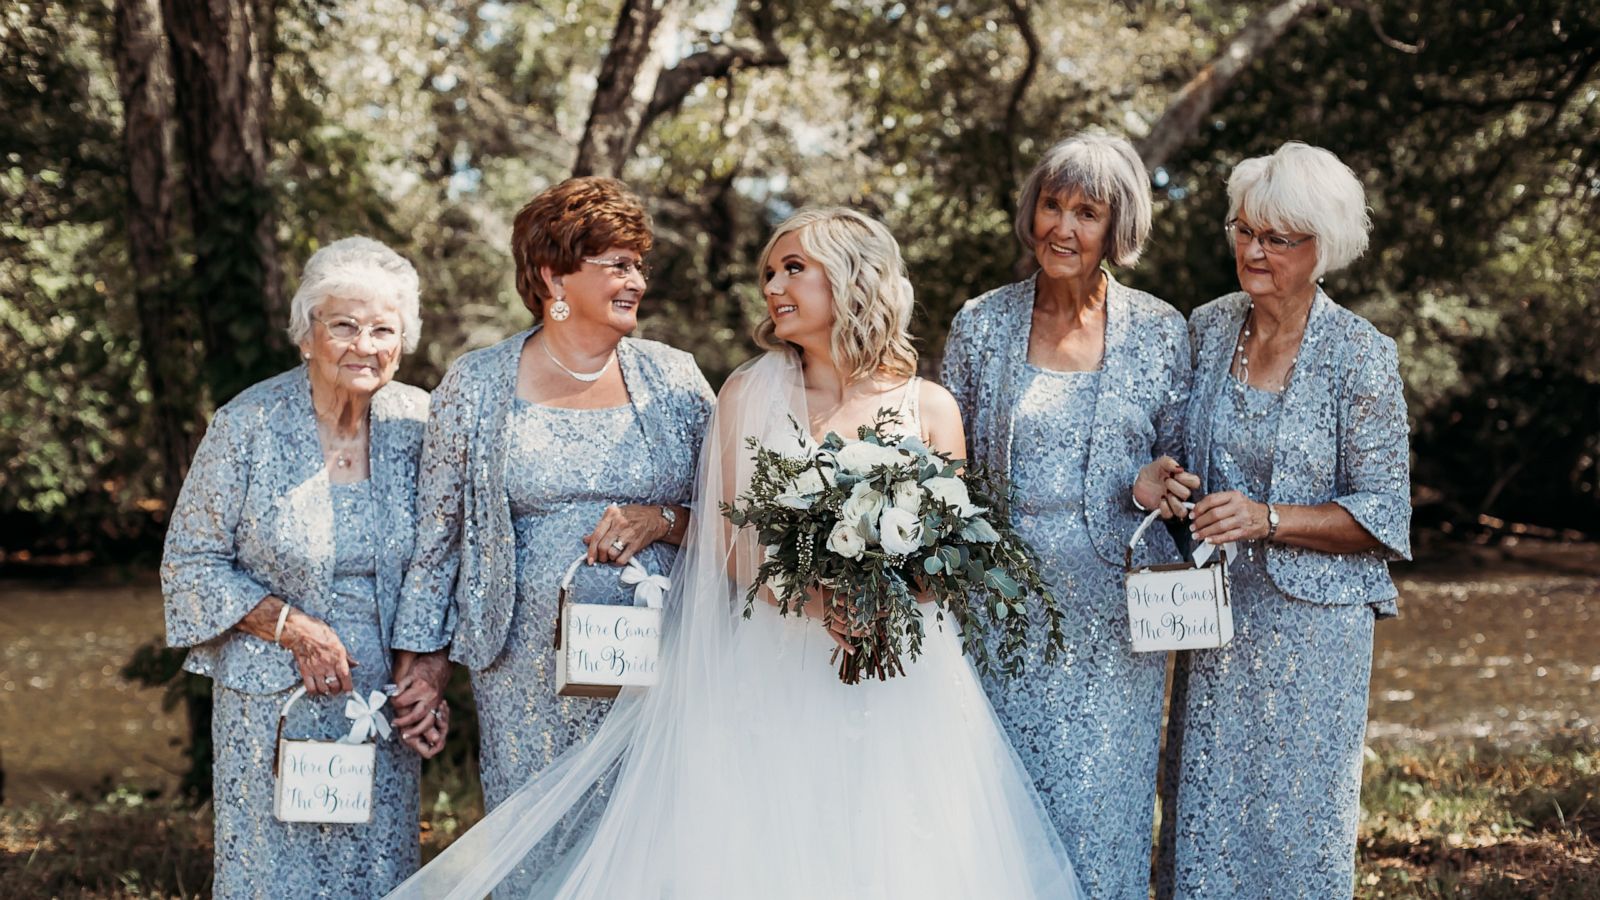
[{"x": 937, "y": 403}]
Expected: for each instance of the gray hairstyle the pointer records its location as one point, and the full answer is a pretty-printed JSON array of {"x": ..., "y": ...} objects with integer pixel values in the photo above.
[
  {"x": 1304, "y": 188},
  {"x": 358, "y": 268},
  {"x": 1107, "y": 170}
]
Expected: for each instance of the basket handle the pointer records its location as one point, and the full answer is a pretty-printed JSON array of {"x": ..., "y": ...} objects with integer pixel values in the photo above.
[
  {"x": 1201, "y": 554},
  {"x": 648, "y": 589}
]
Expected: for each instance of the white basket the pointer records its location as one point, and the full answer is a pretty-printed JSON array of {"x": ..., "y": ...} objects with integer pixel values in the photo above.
[
  {"x": 328, "y": 781},
  {"x": 1181, "y": 606},
  {"x": 602, "y": 648}
]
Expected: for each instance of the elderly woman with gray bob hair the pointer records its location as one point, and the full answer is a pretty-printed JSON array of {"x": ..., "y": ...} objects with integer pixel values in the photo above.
[
  {"x": 283, "y": 565},
  {"x": 1070, "y": 383},
  {"x": 1297, "y": 430}
]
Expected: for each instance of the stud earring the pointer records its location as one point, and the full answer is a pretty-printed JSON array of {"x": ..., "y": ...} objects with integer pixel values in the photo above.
[{"x": 559, "y": 310}]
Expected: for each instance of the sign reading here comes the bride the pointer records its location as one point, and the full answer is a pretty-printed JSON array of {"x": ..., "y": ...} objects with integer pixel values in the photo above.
[
  {"x": 1179, "y": 608},
  {"x": 604, "y": 648}
]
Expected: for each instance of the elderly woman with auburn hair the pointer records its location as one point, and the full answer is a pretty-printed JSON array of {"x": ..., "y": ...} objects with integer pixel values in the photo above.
[
  {"x": 568, "y": 440},
  {"x": 1070, "y": 384},
  {"x": 283, "y": 566},
  {"x": 1298, "y": 432}
]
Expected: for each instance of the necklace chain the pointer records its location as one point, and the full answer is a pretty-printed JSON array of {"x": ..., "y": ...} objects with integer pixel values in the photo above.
[
  {"x": 587, "y": 377},
  {"x": 1242, "y": 358}
]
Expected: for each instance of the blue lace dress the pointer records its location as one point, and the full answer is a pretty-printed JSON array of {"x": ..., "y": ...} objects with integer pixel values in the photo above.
[
  {"x": 1269, "y": 729},
  {"x": 1086, "y": 726},
  {"x": 563, "y": 467},
  {"x": 259, "y": 856}
]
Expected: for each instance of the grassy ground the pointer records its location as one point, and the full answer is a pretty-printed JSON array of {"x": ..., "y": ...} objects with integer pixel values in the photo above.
[{"x": 1467, "y": 822}]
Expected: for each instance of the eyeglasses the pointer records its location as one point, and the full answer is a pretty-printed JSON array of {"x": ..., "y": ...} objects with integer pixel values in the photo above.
[
  {"x": 1270, "y": 242},
  {"x": 347, "y": 331},
  {"x": 622, "y": 267}
]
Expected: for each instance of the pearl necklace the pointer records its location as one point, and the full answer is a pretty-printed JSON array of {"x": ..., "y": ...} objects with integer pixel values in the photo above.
[
  {"x": 587, "y": 377},
  {"x": 1242, "y": 359}
]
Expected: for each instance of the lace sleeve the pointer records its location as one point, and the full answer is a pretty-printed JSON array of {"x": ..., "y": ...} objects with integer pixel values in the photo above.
[
  {"x": 425, "y": 616},
  {"x": 1374, "y": 448},
  {"x": 205, "y": 590}
]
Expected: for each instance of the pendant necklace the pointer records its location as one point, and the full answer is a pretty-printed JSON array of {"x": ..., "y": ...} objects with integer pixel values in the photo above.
[{"x": 586, "y": 377}]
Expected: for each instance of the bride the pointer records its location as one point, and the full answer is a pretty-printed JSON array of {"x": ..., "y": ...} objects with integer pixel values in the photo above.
[{"x": 750, "y": 770}]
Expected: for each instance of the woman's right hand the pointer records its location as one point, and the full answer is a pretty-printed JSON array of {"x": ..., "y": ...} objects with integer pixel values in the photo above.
[
  {"x": 1163, "y": 485},
  {"x": 323, "y": 661}
]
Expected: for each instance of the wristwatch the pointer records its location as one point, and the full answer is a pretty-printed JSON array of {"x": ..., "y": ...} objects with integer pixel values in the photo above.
[
  {"x": 671, "y": 515},
  {"x": 1272, "y": 521}
]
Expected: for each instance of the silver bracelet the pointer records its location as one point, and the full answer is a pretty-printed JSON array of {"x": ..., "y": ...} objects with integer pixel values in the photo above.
[
  {"x": 1136, "y": 504},
  {"x": 283, "y": 616}
]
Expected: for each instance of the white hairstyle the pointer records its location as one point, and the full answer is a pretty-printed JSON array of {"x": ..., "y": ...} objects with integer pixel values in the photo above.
[
  {"x": 1106, "y": 169},
  {"x": 1304, "y": 188},
  {"x": 363, "y": 269}
]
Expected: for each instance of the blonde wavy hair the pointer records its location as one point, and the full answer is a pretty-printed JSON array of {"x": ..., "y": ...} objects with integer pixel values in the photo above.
[{"x": 872, "y": 298}]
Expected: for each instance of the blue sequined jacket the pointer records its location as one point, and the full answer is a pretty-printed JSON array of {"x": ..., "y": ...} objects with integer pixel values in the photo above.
[
  {"x": 255, "y": 517},
  {"x": 1342, "y": 437},
  {"x": 461, "y": 588},
  {"x": 1139, "y": 410}
]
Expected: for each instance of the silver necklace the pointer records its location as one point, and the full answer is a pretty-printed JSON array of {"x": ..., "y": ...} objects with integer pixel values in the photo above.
[{"x": 587, "y": 377}]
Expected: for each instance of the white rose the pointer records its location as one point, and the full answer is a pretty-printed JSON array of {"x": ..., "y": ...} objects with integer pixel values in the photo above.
[
  {"x": 846, "y": 541},
  {"x": 859, "y": 457},
  {"x": 908, "y": 496},
  {"x": 899, "y": 532},
  {"x": 864, "y": 504},
  {"x": 953, "y": 492},
  {"x": 803, "y": 490}
]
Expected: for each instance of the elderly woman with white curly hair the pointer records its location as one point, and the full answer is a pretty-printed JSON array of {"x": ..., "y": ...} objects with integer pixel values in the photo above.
[
  {"x": 282, "y": 568},
  {"x": 1297, "y": 429},
  {"x": 1071, "y": 383}
]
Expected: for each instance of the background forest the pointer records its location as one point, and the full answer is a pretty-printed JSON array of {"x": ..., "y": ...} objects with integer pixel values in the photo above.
[{"x": 166, "y": 166}]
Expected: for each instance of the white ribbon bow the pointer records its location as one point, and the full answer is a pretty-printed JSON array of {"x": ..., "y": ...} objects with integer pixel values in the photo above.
[
  {"x": 365, "y": 720},
  {"x": 648, "y": 590}
]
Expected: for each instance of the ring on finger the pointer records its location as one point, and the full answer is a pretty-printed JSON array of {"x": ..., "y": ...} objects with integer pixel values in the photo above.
[
  {"x": 330, "y": 680},
  {"x": 619, "y": 545}
]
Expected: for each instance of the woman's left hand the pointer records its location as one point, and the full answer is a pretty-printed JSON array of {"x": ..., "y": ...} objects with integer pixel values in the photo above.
[
  {"x": 422, "y": 715},
  {"x": 623, "y": 531},
  {"x": 1228, "y": 516}
]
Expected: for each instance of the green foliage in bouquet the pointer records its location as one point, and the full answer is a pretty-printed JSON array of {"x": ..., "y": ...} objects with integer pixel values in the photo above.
[{"x": 873, "y": 526}]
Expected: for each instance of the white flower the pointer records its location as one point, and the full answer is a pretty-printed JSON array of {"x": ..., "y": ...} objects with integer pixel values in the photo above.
[
  {"x": 908, "y": 496},
  {"x": 803, "y": 490},
  {"x": 864, "y": 504},
  {"x": 900, "y": 532},
  {"x": 953, "y": 492},
  {"x": 859, "y": 457},
  {"x": 846, "y": 541}
]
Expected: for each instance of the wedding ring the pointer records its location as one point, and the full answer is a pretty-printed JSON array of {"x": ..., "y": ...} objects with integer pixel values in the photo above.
[
  {"x": 330, "y": 680},
  {"x": 437, "y": 714},
  {"x": 618, "y": 545}
]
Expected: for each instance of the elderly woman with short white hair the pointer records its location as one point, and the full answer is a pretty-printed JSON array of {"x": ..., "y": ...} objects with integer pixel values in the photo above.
[
  {"x": 1297, "y": 429},
  {"x": 282, "y": 568},
  {"x": 1070, "y": 383}
]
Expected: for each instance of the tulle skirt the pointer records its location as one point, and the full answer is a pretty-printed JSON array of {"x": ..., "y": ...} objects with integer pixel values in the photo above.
[{"x": 816, "y": 789}]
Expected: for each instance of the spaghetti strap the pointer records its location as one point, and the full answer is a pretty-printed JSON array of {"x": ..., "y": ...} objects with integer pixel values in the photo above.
[{"x": 910, "y": 407}]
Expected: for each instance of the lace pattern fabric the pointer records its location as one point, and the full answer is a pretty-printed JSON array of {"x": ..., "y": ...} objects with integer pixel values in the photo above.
[
  {"x": 563, "y": 467},
  {"x": 1265, "y": 741},
  {"x": 259, "y": 856},
  {"x": 1086, "y": 726}
]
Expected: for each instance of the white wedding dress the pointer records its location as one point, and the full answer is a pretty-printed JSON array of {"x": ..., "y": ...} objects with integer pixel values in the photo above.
[{"x": 751, "y": 771}]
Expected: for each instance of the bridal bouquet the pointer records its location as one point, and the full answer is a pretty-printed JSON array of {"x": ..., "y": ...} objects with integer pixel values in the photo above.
[{"x": 877, "y": 522}]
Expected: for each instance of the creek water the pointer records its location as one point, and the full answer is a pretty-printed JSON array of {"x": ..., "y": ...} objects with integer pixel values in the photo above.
[{"x": 1507, "y": 653}]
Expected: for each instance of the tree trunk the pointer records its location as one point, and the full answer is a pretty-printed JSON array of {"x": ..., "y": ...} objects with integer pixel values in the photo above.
[
  {"x": 634, "y": 89},
  {"x": 622, "y": 93},
  {"x": 222, "y": 66},
  {"x": 167, "y": 337},
  {"x": 1195, "y": 101}
]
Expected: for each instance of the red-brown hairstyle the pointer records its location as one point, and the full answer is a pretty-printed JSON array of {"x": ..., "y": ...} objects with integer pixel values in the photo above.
[{"x": 577, "y": 218}]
